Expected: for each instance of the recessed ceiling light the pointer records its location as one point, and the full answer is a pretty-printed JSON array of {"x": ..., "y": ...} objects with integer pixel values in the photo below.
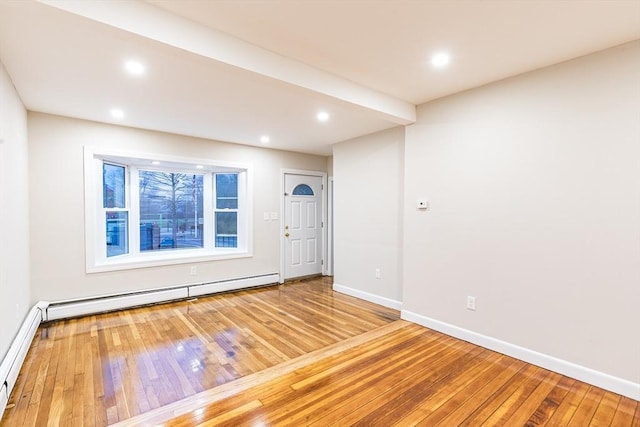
[
  {"x": 134, "y": 67},
  {"x": 322, "y": 116},
  {"x": 155, "y": 162},
  {"x": 264, "y": 139},
  {"x": 440, "y": 59},
  {"x": 199, "y": 167},
  {"x": 117, "y": 113}
]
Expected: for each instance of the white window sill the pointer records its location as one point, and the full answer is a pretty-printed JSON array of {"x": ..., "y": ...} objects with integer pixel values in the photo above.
[{"x": 164, "y": 258}]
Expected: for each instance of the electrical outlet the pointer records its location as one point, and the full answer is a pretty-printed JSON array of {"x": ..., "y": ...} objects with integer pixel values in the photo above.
[
  {"x": 378, "y": 275},
  {"x": 471, "y": 303},
  {"x": 194, "y": 270}
]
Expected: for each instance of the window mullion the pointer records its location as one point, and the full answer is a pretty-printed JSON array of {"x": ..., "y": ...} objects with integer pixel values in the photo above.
[
  {"x": 242, "y": 210},
  {"x": 101, "y": 222},
  {"x": 134, "y": 210},
  {"x": 208, "y": 192}
]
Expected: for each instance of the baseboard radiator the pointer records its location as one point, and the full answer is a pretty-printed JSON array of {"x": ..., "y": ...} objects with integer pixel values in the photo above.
[
  {"x": 82, "y": 307},
  {"x": 12, "y": 362},
  {"x": 46, "y": 311}
]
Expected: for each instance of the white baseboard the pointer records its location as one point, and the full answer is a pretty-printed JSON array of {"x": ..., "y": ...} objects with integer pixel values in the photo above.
[
  {"x": 376, "y": 299},
  {"x": 232, "y": 285},
  {"x": 588, "y": 375},
  {"x": 73, "y": 308},
  {"x": 13, "y": 360}
]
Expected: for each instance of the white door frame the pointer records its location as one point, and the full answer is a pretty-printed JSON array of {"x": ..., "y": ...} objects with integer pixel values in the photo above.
[
  {"x": 329, "y": 263},
  {"x": 323, "y": 175}
]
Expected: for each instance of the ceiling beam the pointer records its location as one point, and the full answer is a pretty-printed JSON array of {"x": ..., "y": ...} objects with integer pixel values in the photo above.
[{"x": 148, "y": 21}]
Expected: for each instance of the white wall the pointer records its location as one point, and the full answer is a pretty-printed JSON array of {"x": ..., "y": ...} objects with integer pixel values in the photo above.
[
  {"x": 14, "y": 213},
  {"x": 534, "y": 184},
  {"x": 57, "y": 214},
  {"x": 368, "y": 213}
]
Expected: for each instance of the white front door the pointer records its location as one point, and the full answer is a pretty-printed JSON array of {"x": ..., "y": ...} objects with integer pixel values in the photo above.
[{"x": 302, "y": 225}]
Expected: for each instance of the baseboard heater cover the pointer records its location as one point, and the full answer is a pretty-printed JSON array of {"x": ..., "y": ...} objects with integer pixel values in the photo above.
[
  {"x": 230, "y": 285},
  {"x": 4, "y": 399},
  {"x": 63, "y": 310},
  {"x": 13, "y": 360},
  {"x": 82, "y": 308}
]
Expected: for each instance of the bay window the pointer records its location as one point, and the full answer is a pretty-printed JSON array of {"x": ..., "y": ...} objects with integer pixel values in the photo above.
[{"x": 141, "y": 211}]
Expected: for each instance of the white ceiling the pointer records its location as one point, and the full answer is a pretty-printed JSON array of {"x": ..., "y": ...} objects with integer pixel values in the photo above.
[{"x": 235, "y": 70}]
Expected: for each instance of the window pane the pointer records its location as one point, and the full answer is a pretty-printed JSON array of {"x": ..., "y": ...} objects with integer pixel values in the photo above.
[
  {"x": 226, "y": 191},
  {"x": 302, "y": 190},
  {"x": 226, "y": 229},
  {"x": 117, "y": 232},
  {"x": 170, "y": 210},
  {"x": 113, "y": 186}
]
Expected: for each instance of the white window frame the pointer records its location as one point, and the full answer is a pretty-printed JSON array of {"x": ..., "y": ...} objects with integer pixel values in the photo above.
[
  {"x": 102, "y": 211},
  {"x": 95, "y": 218},
  {"x": 240, "y": 210}
]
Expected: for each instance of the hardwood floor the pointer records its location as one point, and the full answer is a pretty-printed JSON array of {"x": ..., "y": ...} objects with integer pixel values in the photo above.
[{"x": 297, "y": 354}]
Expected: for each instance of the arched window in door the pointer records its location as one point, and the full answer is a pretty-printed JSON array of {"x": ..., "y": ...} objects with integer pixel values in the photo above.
[{"x": 303, "y": 190}]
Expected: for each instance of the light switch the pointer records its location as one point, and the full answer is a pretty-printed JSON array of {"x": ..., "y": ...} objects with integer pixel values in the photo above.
[
  {"x": 266, "y": 216},
  {"x": 274, "y": 215}
]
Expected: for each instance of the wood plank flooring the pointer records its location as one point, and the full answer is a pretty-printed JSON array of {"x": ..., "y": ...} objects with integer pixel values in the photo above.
[{"x": 298, "y": 354}]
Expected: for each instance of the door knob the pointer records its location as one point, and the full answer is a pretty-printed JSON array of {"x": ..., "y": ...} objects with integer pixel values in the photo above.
[{"x": 286, "y": 234}]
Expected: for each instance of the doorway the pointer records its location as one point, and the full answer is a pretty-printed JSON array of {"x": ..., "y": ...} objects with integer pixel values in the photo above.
[{"x": 303, "y": 225}]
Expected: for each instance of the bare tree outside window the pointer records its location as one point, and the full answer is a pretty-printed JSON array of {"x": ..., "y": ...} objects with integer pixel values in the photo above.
[
  {"x": 171, "y": 210},
  {"x": 175, "y": 210}
]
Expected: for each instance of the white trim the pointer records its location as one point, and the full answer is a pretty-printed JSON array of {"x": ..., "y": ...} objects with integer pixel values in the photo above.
[
  {"x": 280, "y": 226},
  {"x": 324, "y": 224},
  {"x": 376, "y": 299},
  {"x": 182, "y": 256},
  {"x": 13, "y": 360},
  {"x": 323, "y": 176},
  {"x": 329, "y": 263},
  {"x": 582, "y": 373}
]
